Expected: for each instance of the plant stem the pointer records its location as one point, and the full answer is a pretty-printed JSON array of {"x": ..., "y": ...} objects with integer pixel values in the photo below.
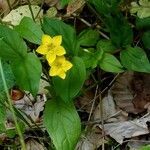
[
  {"x": 11, "y": 107},
  {"x": 32, "y": 14}
]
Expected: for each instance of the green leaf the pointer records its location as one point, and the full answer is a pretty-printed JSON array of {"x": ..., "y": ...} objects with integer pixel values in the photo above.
[
  {"x": 68, "y": 88},
  {"x": 143, "y": 23},
  {"x": 2, "y": 116},
  {"x": 147, "y": 147},
  {"x": 106, "y": 46},
  {"x": 29, "y": 30},
  {"x": 142, "y": 8},
  {"x": 62, "y": 123},
  {"x": 91, "y": 59},
  {"x": 9, "y": 77},
  {"x": 54, "y": 27},
  {"x": 28, "y": 72},
  {"x": 88, "y": 37},
  {"x": 110, "y": 63},
  {"x": 64, "y": 2},
  {"x": 146, "y": 39},
  {"x": 135, "y": 59},
  {"x": 11, "y": 45},
  {"x": 120, "y": 31},
  {"x": 105, "y": 6}
]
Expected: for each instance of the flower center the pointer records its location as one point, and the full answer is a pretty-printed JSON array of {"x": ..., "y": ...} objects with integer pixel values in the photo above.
[{"x": 51, "y": 46}]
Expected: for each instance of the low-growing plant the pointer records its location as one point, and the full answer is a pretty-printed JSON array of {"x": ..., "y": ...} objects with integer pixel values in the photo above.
[{"x": 67, "y": 59}]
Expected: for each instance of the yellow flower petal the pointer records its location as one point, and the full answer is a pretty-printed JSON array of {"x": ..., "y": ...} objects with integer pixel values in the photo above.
[
  {"x": 60, "y": 51},
  {"x": 67, "y": 65},
  {"x": 62, "y": 75},
  {"x": 46, "y": 39},
  {"x": 51, "y": 56},
  {"x": 57, "y": 40},
  {"x": 42, "y": 49},
  {"x": 53, "y": 71}
]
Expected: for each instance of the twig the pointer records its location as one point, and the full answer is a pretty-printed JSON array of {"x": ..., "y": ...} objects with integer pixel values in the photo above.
[
  {"x": 30, "y": 7},
  {"x": 102, "y": 120},
  {"x": 93, "y": 103},
  {"x": 110, "y": 84},
  {"x": 40, "y": 8},
  {"x": 11, "y": 107},
  {"x": 90, "y": 25}
]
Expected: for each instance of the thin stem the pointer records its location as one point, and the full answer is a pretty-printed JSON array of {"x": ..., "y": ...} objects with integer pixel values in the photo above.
[
  {"x": 102, "y": 121},
  {"x": 11, "y": 107},
  {"x": 32, "y": 14},
  {"x": 40, "y": 9}
]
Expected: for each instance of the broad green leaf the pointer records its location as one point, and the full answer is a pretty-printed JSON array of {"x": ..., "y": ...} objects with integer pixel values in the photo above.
[
  {"x": 135, "y": 59},
  {"x": 106, "y": 46},
  {"x": 91, "y": 58},
  {"x": 88, "y": 37},
  {"x": 146, "y": 39},
  {"x": 105, "y": 6},
  {"x": 11, "y": 45},
  {"x": 68, "y": 88},
  {"x": 2, "y": 117},
  {"x": 54, "y": 27},
  {"x": 142, "y": 8},
  {"x": 9, "y": 77},
  {"x": 62, "y": 123},
  {"x": 110, "y": 63},
  {"x": 28, "y": 72},
  {"x": 143, "y": 23},
  {"x": 29, "y": 30},
  {"x": 120, "y": 31}
]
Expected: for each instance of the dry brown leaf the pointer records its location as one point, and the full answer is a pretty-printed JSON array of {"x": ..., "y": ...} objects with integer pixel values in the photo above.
[
  {"x": 137, "y": 143},
  {"x": 131, "y": 92},
  {"x": 84, "y": 102},
  {"x": 109, "y": 109},
  {"x": 33, "y": 110},
  {"x": 51, "y": 2},
  {"x": 92, "y": 140},
  {"x": 32, "y": 144},
  {"x": 15, "y": 16},
  {"x": 127, "y": 129},
  {"x": 4, "y": 6},
  {"x": 123, "y": 93},
  {"x": 74, "y": 6}
]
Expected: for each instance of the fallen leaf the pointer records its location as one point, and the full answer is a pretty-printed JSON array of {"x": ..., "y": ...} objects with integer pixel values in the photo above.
[
  {"x": 127, "y": 129},
  {"x": 109, "y": 109},
  {"x": 43, "y": 85},
  {"x": 138, "y": 143},
  {"x": 123, "y": 93},
  {"x": 142, "y": 8},
  {"x": 31, "y": 109},
  {"x": 84, "y": 102},
  {"x": 75, "y": 5},
  {"x": 51, "y": 2},
  {"x": 92, "y": 141},
  {"x": 15, "y": 16},
  {"x": 32, "y": 144}
]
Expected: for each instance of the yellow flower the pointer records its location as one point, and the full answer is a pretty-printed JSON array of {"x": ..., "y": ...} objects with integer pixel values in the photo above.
[
  {"x": 59, "y": 67},
  {"x": 51, "y": 47}
]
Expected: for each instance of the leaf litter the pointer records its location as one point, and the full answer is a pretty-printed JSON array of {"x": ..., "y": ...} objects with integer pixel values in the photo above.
[{"x": 128, "y": 95}]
